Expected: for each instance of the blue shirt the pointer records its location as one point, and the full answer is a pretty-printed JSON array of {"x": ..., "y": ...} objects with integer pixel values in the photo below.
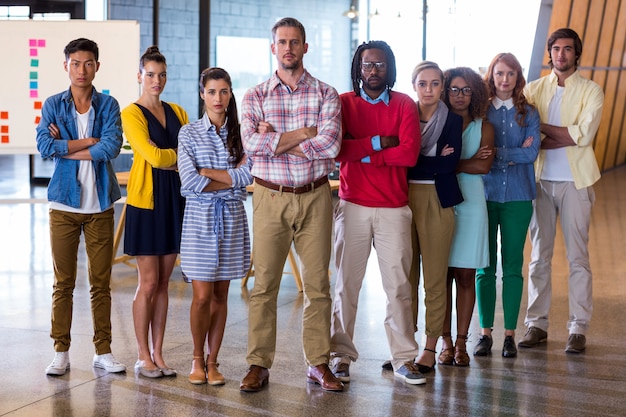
[
  {"x": 203, "y": 145},
  {"x": 104, "y": 124},
  {"x": 512, "y": 176}
]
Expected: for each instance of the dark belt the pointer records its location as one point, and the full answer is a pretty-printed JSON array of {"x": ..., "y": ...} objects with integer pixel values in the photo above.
[{"x": 296, "y": 190}]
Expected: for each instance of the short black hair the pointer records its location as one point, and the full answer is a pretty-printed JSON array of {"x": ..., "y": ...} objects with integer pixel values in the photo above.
[
  {"x": 81, "y": 44},
  {"x": 356, "y": 64},
  {"x": 565, "y": 33}
]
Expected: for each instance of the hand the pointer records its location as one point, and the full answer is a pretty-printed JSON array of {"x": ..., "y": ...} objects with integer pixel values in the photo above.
[
  {"x": 389, "y": 141},
  {"x": 527, "y": 142},
  {"x": 54, "y": 131},
  {"x": 243, "y": 161},
  {"x": 447, "y": 150},
  {"x": 264, "y": 127},
  {"x": 310, "y": 132},
  {"x": 152, "y": 143},
  {"x": 482, "y": 153}
]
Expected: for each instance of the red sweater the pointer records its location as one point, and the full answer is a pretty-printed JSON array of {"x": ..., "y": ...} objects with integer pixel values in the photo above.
[{"x": 383, "y": 182}]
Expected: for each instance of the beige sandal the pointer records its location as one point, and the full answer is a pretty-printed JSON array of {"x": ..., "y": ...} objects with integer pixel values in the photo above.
[
  {"x": 197, "y": 376},
  {"x": 214, "y": 377}
]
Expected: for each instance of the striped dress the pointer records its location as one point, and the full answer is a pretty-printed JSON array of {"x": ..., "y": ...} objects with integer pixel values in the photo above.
[{"x": 215, "y": 242}]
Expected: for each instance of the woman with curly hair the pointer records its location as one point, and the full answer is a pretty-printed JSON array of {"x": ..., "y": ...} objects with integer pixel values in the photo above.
[
  {"x": 509, "y": 190},
  {"x": 466, "y": 95}
]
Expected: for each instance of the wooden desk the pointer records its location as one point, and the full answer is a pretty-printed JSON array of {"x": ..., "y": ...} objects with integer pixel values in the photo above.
[
  {"x": 291, "y": 257},
  {"x": 122, "y": 179}
]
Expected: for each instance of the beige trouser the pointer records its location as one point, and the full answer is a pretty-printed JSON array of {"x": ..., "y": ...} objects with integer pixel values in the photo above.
[
  {"x": 389, "y": 229},
  {"x": 560, "y": 198},
  {"x": 434, "y": 228},
  {"x": 279, "y": 219}
]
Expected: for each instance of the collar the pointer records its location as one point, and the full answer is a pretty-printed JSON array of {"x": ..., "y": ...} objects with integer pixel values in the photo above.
[
  {"x": 275, "y": 81},
  {"x": 67, "y": 95},
  {"x": 206, "y": 123},
  {"x": 384, "y": 97},
  {"x": 497, "y": 103}
]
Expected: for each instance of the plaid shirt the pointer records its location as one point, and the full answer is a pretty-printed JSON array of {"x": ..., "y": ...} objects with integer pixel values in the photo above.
[{"x": 312, "y": 103}]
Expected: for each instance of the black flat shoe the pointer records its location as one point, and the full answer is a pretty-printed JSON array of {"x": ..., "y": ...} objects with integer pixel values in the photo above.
[
  {"x": 509, "y": 350},
  {"x": 483, "y": 348}
]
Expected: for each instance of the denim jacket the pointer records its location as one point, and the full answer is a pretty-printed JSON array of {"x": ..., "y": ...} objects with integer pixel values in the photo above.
[
  {"x": 104, "y": 123},
  {"x": 512, "y": 175}
]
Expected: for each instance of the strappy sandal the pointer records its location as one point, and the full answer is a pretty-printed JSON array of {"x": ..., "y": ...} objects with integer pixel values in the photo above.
[
  {"x": 424, "y": 369},
  {"x": 446, "y": 357},
  {"x": 461, "y": 358}
]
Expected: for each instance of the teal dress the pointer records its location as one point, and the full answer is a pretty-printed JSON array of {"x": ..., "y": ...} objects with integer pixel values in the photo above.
[{"x": 470, "y": 244}]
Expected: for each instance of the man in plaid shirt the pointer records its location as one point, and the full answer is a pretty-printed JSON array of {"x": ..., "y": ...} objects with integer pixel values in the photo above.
[{"x": 291, "y": 127}]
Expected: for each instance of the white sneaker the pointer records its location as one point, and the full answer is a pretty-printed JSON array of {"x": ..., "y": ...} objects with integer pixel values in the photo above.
[
  {"x": 108, "y": 363},
  {"x": 60, "y": 364}
]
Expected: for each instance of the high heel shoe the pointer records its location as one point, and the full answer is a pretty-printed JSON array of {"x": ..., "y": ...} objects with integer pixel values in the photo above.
[
  {"x": 197, "y": 376},
  {"x": 214, "y": 377},
  {"x": 424, "y": 369}
]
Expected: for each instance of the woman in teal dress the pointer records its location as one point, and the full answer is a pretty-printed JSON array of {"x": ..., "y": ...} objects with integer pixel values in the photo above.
[{"x": 466, "y": 95}]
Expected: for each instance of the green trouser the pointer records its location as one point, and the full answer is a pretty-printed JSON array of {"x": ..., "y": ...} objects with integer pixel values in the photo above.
[{"x": 512, "y": 218}]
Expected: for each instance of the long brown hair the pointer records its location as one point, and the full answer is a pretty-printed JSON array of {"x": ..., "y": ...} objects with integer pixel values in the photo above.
[
  {"x": 233, "y": 141},
  {"x": 519, "y": 99}
]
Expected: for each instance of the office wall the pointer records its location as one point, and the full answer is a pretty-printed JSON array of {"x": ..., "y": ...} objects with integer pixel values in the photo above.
[{"x": 328, "y": 35}]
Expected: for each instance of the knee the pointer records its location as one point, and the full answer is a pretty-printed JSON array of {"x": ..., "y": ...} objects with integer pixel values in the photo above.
[{"x": 147, "y": 289}]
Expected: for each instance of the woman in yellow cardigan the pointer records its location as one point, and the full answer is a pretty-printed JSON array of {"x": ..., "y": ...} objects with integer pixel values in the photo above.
[{"x": 154, "y": 208}]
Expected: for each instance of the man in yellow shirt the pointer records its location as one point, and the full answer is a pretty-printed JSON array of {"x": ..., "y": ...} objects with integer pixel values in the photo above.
[{"x": 570, "y": 108}]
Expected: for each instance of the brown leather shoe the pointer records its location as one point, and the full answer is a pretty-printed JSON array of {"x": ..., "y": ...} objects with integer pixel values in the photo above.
[
  {"x": 322, "y": 375},
  {"x": 256, "y": 378}
]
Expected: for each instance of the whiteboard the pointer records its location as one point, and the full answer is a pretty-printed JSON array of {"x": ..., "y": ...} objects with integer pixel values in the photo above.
[{"x": 32, "y": 70}]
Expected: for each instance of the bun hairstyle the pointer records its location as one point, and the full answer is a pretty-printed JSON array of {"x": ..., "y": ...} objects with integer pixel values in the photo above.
[{"x": 151, "y": 54}]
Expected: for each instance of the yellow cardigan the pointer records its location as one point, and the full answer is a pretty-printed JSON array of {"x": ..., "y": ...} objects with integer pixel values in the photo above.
[{"x": 145, "y": 156}]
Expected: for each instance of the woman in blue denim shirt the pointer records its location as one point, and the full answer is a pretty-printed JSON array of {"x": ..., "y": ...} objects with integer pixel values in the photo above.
[{"x": 509, "y": 190}]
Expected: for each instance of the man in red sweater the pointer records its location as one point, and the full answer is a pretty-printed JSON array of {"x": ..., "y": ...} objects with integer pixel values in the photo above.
[{"x": 381, "y": 139}]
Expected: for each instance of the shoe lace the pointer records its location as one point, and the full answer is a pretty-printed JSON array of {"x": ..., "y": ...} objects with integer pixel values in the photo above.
[
  {"x": 412, "y": 367},
  {"x": 108, "y": 360},
  {"x": 58, "y": 361}
]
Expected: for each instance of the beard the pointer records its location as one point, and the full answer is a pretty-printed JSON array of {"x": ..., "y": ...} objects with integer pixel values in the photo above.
[
  {"x": 379, "y": 86},
  {"x": 291, "y": 65}
]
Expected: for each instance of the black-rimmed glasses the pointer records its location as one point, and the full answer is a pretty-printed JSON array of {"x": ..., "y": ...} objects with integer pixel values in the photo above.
[
  {"x": 455, "y": 91},
  {"x": 368, "y": 66}
]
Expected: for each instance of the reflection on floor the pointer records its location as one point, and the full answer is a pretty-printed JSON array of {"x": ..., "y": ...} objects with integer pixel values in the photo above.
[{"x": 539, "y": 382}]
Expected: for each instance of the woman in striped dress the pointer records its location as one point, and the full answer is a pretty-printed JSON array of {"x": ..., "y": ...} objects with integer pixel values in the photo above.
[{"x": 215, "y": 245}]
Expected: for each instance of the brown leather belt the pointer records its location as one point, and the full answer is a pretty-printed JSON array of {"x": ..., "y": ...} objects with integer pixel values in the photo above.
[{"x": 295, "y": 190}]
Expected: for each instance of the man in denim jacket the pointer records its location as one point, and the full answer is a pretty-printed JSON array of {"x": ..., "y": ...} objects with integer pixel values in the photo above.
[{"x": 81, "y": 130}]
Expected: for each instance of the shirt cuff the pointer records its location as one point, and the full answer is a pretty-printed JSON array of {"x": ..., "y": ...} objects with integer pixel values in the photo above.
[
  {"x": 376, "y": 143},
  {"x": 366, "y": 160}
]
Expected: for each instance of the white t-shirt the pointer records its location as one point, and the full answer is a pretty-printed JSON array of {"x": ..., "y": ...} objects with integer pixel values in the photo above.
[
  {"x": 89, "y": 202},
  {"x": 556, "y": 165}
]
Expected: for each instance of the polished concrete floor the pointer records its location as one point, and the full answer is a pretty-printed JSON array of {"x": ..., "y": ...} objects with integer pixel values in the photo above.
[{"x": 539, "y": 382}]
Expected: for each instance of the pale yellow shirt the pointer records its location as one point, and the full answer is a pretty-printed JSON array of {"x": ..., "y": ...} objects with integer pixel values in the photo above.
[{"x": 581, "y": 112}]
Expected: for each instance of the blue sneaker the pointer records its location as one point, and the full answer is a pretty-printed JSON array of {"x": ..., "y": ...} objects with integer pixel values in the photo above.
[{"x": 410, "y": 374}]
